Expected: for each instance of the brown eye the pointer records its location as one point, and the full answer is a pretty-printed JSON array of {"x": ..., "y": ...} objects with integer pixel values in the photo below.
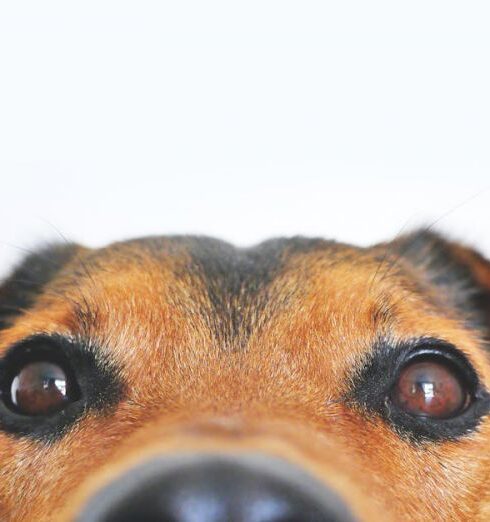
[
  {"x": 431, "y": 389},
  {"x": 40, "y": 388}
]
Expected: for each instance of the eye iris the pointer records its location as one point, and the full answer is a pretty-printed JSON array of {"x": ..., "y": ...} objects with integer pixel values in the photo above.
[
  {"x": 39, "y": 388},
  {"x": 430, "y": 389}
]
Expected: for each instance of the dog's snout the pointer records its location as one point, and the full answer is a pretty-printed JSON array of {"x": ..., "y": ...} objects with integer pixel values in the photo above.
[{"x": 216, "y": 488}]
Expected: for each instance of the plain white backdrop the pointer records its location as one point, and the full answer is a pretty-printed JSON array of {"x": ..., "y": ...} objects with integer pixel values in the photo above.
[{"x": 242, "y": 120}]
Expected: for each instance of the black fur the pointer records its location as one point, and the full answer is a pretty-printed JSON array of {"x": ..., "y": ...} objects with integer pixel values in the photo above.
[
  {"x": 27, "y": 282},
  {"x": 237, "y": 281},
  {"x": 458, "y": 285}
]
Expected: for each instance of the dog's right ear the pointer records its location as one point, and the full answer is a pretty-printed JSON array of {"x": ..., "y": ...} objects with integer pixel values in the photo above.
[{"x": 19, "y": 290}]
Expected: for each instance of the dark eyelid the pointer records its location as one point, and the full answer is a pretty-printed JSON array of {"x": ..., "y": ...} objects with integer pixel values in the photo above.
[
  {"x": 438, "y": 348},
  {"x": 98, "y": 379},
  {"x": 373, "y": 383}
]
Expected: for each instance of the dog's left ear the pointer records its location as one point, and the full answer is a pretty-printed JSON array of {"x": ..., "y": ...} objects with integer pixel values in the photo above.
[{"x": 460, "y": 275}]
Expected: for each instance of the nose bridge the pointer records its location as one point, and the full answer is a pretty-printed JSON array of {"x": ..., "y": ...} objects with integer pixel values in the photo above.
[
  {"x": 236, "y": 383},
  {"x": 241, "y": 433},
  {"x": 238, "y": 425},
  {"x": 227, "y": 427},
  {"x": 234, "y": 438}
]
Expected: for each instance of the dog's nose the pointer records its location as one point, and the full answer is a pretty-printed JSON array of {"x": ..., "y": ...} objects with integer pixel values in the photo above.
[{"x": 216, "y": 488}]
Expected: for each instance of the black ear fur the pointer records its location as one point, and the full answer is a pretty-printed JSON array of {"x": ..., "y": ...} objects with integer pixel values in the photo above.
[
  {"x": 461, "y": 274},
  {"x": 19, "y": 291}
]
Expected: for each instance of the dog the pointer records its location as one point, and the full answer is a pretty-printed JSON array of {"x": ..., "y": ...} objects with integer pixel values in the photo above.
[{"x": 183, "y": 379}]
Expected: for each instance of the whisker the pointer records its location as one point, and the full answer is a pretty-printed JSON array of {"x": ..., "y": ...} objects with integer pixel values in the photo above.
[
  {"x": 77, "y": 256},
  {"x": 388, "y": 253},
  {"x": 426, "y": 230}
]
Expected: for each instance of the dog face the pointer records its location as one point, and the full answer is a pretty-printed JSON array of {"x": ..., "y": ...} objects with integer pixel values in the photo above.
[{"x": 143, "y": 380}]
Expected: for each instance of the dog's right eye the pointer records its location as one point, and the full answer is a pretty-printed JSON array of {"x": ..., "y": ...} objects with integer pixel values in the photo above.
[
  {"x": 47, "y": 383},
  {"x": 38, "y": 379},
  {"x": 41, "y": 388}
]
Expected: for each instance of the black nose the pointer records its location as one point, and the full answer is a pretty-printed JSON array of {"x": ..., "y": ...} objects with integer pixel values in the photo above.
[{"x": 216, "y": 488}]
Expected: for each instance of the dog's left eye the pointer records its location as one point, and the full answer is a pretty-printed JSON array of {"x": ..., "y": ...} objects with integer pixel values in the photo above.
[
  {"x": 426, "y": 389},
  {"x": 431, "y": 388}
]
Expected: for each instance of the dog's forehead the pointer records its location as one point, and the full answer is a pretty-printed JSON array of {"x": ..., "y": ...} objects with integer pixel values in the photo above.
[
  {"x": 204, "y": 284},
  {"x": 216, "y": 258},
  {"x": 210, "y": 288},
  {"x": 200, "y": 303},
  {"x": 229, "y": 290},
  {"x": 229, "y": 277},
  {"x": 225, "y": 273}
]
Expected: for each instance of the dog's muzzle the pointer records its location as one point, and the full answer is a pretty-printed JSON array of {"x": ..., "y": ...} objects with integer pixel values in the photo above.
[{"x": 215, "y": 488}]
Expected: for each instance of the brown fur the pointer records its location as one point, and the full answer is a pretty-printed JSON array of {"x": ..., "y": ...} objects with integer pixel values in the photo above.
[{"x": 278, "y": 387}]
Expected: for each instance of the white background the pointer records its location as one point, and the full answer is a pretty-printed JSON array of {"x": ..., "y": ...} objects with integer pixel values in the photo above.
[{"x": 243, "y": 120}]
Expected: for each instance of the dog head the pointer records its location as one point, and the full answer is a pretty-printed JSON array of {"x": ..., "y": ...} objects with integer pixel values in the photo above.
[{"x": 181, "y": 378}]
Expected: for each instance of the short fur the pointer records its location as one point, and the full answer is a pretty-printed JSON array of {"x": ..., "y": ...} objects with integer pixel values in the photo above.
[{"x": 284, "y": 348}]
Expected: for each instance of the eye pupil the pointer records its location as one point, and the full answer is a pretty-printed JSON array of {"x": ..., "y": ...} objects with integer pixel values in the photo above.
[
  {"x": 40, "y": 388},
  {"x": 430, "y": 389}
]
